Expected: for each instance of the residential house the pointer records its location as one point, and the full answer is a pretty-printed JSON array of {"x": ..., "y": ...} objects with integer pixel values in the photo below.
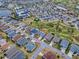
[
  {"x": 22, "y": 41},
  {"x": 77, "y": 25},
  {"x": 33, "y": 32},
  {"x": 28, "y": 30},
  {"x": 30, "y": 47},
  {"x": 41, "y": 34},
  {"x": 22, "y": 12},
  {"x": 14, "y": 53},
  {"x": 49, "y": 55},
  {"x": 64, "y": 45},
  {"x": 49, "y": 37},
  {"x": 5, "y": 13},
  {"x": 56, "y": 39},
  {"x": 11, "y": 34},
  {"x": 74, "y": 49},
  {"x": 17, "y": 37},
  {"x": 77, "y": 8},
  {"x": 4, "y": 27},
  {"x": 7, "y": 20},
  {"x": 3, "y": 45}
]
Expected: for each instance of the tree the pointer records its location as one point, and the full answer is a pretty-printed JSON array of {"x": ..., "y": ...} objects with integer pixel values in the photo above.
[{"x": 36, "y": 19}]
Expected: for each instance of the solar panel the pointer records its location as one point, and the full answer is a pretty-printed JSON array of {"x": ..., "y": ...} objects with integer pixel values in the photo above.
[
  {"x": 64, "y": 43},
  {"x": 73, "y": 48},
  {"x": 19, "y": 56},
  {"x": 22, "y": 41},
  {"x": 14, "y": 53},
  {"x": 11, "y": 34},
  {"x": 30, "y": 46},
  {"x": 10, "y": 51},
  {"x": 41, "y": 34},
  {"x": 34, "y": 31}
]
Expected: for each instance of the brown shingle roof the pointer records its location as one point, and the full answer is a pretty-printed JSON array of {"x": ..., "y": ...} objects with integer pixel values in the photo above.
[
  {"x": 49, "y": 55},
  {"x": 1, "y": 26},
  {"x": 4, "y": 47},
  {"x": 18, "y": 36},
  {"x": 4, "y": 27}
]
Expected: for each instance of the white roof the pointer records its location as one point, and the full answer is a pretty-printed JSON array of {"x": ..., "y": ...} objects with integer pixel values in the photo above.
[
  {"x": 59, "y": 7},
  {"x": 2, "y": 42},
  {"x": 77, "y": 7}
]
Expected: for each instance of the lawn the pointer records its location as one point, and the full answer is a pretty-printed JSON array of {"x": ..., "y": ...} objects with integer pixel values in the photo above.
[
  {"x": 1, "y": 55},
  {"x": 68, "y": 3},
  {"x": 56, "y": 27},
  {"x": 3, "y": 34}
]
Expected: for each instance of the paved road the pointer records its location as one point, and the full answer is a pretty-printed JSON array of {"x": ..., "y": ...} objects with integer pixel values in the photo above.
[{"x": 44, "y": 45}]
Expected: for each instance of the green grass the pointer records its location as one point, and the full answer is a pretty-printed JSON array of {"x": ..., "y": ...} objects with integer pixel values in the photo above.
[
  {"x": 57, "y": 46},
  {"x": 71, "y": 4},
  {"x": 62, "y": 30},
  {"x": 61, "y": 1},
  {"x": 1, "y": 55}
]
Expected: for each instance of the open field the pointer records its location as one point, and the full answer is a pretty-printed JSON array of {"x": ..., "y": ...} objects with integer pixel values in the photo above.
[{"x": 58, "y": 28}]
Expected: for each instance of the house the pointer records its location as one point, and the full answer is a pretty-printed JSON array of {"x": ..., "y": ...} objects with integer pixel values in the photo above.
[
  {"x": 2, "y": 42},
  {"x": 11, "y": 34},
  {"x": 4, "y": 27},
  {"x": 77, "y": 50},
  {"x": 34, "y": 31},
  {"x": 74, "y": 49},
  {"x": 13, "y": 22},
  {"x": 0, "y": 37},
  {"x": 9, "y": 31},
  {"x": 7, "y": 20},
  {"x": 49, "y": 37},
  {"x": 22, "y": 12},
  {"x": 56, "y": 39},
  {"x": 30, "y": 47},
  {"x": 77, "y": 8},
  {"x": 61, "y": 8},
  {"x": 28, "y": 30},
  {"x": 42, "y": 34},
  {"x": 78, "y": 53},
  {"x": 5, "y": 13},
  {"x": 64, "y": 45},
  {"x": 49, "y": 55},
  {"x": 1, "y": 4},
  {"x": 3, "y": 45},
  {"x": 17, "y": 37},
  {"x": 76, "y": 24},
  {"x": 14, "y": 53},
  {"x": 1, "y": 26},
  {"x": 22, "y": 41}
]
